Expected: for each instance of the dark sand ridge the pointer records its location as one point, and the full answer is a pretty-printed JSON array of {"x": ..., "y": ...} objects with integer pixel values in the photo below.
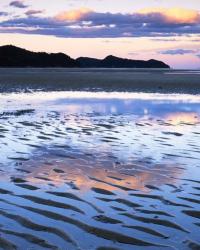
[{"x": 140, "y": 80}]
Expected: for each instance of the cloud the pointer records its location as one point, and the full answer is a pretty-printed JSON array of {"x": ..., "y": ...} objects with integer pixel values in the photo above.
[
  {"x": 2, "y": 13},
  {"x": 73, "y": 15},
  {"x": 175, "y": 15},
  {"x": 86, "y": 23},
  {"x": 33, "y": 12},
  {"x": 18, "y": 4},
  {"x": 133, "y": 54},
  {"x": 198, "y": 56},
  {"x": 164, "y": 39},
  {"x": 177, "y": 52},
  {"x": 196, "y": 40}
]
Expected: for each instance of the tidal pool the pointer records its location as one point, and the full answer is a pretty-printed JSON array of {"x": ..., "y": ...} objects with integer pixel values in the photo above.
[{"x": 104, "y": 171}]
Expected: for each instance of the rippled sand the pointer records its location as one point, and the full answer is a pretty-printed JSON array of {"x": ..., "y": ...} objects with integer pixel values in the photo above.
[{"x": 112, "y": 171}]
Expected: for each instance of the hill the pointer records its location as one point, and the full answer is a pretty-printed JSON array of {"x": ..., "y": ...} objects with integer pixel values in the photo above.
[
  {"x": 117, "y": 62},
  {"x": 12, "y": 56}
]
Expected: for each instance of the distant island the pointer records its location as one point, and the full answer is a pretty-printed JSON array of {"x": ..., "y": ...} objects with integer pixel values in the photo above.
[{"x": 12, "y": 56}]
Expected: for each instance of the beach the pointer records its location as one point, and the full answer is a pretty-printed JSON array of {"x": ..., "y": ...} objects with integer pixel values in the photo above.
[
  {"x": 123, "y": 80},
  {"x": 99, "y": 170},
  {"x": 99, "y": 125}
]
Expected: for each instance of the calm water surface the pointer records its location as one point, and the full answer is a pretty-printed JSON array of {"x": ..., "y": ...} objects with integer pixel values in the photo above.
[{"x": 84, "y": 170}]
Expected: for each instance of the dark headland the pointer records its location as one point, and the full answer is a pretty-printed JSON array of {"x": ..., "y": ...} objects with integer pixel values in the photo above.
[{"x": 12, "y": 56}]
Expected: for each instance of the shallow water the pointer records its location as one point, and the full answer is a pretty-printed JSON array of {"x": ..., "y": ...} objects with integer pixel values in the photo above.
[{"x": 83, "y": 170}]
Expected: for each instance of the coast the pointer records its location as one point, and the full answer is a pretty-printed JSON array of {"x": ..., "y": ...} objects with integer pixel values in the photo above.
[{"x": 129, "y": 80}]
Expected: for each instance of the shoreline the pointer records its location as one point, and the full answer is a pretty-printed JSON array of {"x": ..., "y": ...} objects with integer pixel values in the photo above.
[
  {"x": 98, "y": 95},
  {"x": 108, "y": 80}
]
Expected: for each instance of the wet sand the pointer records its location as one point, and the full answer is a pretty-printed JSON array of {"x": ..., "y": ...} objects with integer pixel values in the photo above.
[
  {"x": 137, "y": 80},
  {"x": 116, "y": 171}
]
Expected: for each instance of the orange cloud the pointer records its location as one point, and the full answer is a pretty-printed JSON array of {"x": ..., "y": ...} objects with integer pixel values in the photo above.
[
  {"x": 175, "y": 15},
  {"x": 73, "y": 15}
]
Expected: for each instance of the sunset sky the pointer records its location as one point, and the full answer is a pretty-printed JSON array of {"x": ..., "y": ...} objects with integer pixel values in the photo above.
[{"x": 167, "y": 30}]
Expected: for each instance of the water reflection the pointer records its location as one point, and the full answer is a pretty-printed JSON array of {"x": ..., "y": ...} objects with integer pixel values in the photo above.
[
  {"x": 128, "y": 128},
  {"x": 178, "y": 118},
  {"x": 120, "y": 170},
  {"x": 85, "y": 172}
]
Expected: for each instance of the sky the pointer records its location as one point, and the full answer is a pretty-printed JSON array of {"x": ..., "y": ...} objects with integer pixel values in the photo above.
[{"x": 167, "y": 30}]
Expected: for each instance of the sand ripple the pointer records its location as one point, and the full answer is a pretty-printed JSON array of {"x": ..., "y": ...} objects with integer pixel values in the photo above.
[{"x": 104, "y": 180}]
